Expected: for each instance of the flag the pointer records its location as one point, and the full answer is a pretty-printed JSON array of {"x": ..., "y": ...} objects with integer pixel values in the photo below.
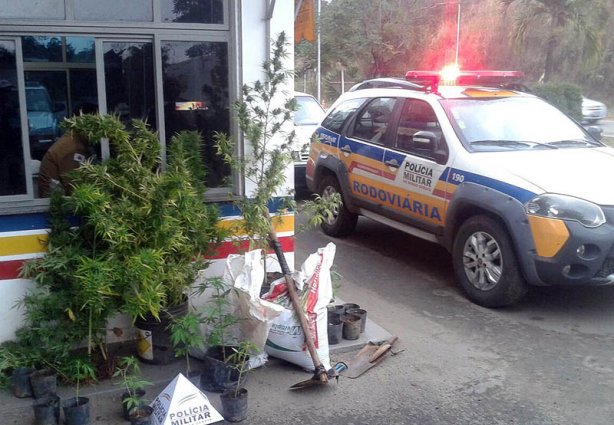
[{"x": 304, "y": 22}]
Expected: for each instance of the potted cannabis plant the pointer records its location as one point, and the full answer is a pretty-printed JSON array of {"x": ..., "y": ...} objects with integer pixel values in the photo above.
[
  {"x": 77, "y": 408},
  {"x": 143, "y": 233},
  {"x": 129, "y": 371},
  {"x": 234, "y": 400},
  {"x": 185, "y": 335}
]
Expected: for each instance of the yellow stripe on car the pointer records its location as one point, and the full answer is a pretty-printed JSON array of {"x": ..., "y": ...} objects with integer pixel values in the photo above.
[{"x": 549, "y": 235}]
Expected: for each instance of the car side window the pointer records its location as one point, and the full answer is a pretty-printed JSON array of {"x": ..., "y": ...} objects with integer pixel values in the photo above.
[
  {"x": 372, "y": 122},
  {"x": 418, "y": 116},
  {"x": 335, "y": 120}
]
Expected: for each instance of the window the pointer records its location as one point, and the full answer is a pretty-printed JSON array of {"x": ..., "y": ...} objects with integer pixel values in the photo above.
[
  {"x": 195, "y": 85},
  {"x": 32, "y": 9},
  {"x": 193, "y": 11},
  {"x": 371, "y": 123},
  {"x": 12, "y": 168},
  {"x": 129, "y": 81},
  {"x": 114, "y": 10},
  {"x": 335, "y": 120},
  {"x": 417, "y": 116}
]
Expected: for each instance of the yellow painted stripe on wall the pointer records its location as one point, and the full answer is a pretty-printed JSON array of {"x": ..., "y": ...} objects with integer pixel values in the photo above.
[
  {"x": 23, "y": 244},
  {"x": 549, "y": 235},
  {"x": 284, "y": 223}
]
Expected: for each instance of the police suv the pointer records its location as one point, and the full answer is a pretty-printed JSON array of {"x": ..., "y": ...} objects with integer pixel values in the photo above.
[{"x": 516, "y": 190}]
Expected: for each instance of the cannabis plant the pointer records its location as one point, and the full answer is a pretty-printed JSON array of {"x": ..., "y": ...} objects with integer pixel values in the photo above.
[
  {"x": 129, "y": 371},
  {"x": 185, "y": 334},
  {"x": 264, "y": 112},
  {"x": 130, "y": 238}
]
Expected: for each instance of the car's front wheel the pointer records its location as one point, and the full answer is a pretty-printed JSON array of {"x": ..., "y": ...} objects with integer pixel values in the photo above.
[
  {"x": 342, "y": 221},
  {"x": 485, "y": 263}
]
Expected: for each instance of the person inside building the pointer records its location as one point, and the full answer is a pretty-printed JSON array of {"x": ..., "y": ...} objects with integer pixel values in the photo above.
[{"x": 68, "y": 153}]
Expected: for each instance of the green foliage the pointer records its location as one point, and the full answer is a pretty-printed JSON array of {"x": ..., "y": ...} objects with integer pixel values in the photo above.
[
  {"x": 239, "y": 360},
  {"x": 80, "y": 369},
  {"x": 216, "y": 314},
  {"x": 263, "y": 113},
  {"x": 129, "y": 371},
  {"x": 565, "y": 96},
  {"x": 320, "y": 210},
  {"x": 185, "y": 334},
  {"x": 141, "y": 239}
]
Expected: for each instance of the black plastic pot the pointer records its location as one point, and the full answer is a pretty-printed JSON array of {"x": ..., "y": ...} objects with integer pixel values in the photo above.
[
  {"x": 47, "y": 410},
  {"x": 20, "y": 382},
  {"x": 362, "y": 313},
  {"x": 141, "y": 415},
  {"x": 335, "y": 328},
  {"x": 154, "y": 336},
  {"x": 217, "y": 375},
  {"x": 351, "y": 326},
  {"x": 76, "y": 411},
  {"x": 44, "y": 383},
  {"x": 140, "y": 394},
  {"x": 195, "y": 377},
  {"x": 234, "y": 407}
]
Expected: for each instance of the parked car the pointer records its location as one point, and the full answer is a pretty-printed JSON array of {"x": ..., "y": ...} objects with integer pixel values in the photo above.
[
  {"x": 43, "y": 124},
  {"x": 593, "y": 111},
  {"x": 515, "y": 189},
  {"x": 306, "y": 119}
]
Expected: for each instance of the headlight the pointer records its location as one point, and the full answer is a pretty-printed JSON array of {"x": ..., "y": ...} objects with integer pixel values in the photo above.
[{"x": 566, "y": 208}]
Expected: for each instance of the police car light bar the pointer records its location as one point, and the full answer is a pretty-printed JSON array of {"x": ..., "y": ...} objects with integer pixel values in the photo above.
[{"x": 432, "y": 79}]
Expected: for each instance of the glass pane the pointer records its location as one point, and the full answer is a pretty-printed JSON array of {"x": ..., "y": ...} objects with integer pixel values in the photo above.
[
  {"x": 129, "y": 81},
  {"x": 80, "y": 50},
  {"x": 193, "y": 11},
  {"x": 46, "y": 102},
  {"x": 32, "y": 9},
  {"x": 12, "y": 169},
  {"x": 83, "y": 91},
  {"x": 195, "y": 78},
  {"x": 42, "y": 49},
  {"x": 114, "y": 10}
]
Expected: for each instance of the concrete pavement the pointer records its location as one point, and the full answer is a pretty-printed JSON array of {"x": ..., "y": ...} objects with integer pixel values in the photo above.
[{"x": 268, "y": 386}]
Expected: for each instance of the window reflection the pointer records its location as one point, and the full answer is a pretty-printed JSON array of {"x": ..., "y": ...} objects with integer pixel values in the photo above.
[
  {"x": 42, "y": 49},
  {"x": 12, "y": 169},
  {"x": 195, "y": 78},
  {"x": 80, "y": 50},
  {"x": 129, "y": 81},
  {"x": 193, "y": 11}
]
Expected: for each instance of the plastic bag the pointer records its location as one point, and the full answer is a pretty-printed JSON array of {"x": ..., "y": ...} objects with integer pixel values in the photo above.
[{"x": 286, "y": 338}]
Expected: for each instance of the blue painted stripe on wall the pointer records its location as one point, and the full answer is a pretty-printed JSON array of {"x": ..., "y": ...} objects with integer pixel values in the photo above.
[{"x": 17, "y": 222}]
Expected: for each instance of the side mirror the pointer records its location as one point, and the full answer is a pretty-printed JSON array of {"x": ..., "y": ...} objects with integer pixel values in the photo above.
[
  {"x": 595, "y": 131},
  {"x": 427, "y": 144}
]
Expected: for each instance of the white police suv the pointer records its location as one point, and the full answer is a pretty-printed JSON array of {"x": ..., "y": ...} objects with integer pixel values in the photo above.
[{"x": 516, "y": 190}]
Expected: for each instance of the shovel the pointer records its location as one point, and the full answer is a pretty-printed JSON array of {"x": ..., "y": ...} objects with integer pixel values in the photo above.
[
  {"x": 320, "y": 376},
  {"x": 370, "y": 355}
]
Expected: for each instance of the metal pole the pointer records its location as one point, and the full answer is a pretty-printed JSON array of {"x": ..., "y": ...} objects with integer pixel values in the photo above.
[
  {"x": 319, "y": 63},
  {"x": 458, "y": 14}
]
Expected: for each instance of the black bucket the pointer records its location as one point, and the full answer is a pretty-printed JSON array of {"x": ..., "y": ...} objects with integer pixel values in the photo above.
[
  {"x": 351, "y": 326},
  {"x": 141, "y": 415},
  {"x": 362, "y": 313},
  {"x": 44, "y": 383},
  {"x": 153, "y": 337},
  {"x": 20, "y": 382},
  {"x": 218, "y": 376},
  {"x": 76, "y": 411},
  {"x": 335, "y": 328},
  {"x": 47, "y": 410},
  {"x": 234, "y": 408}
]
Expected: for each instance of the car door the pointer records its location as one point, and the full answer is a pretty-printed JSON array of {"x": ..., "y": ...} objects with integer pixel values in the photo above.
[
  {"x": 415, "y": 166},
  {"x": 362, "y": 150}
]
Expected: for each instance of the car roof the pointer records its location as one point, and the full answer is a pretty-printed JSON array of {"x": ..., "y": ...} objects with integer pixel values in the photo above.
[{"x": 298, "y": 93}]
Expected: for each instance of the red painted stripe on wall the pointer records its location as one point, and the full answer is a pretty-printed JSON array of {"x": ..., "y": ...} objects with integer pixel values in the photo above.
[{"x": 10, "y": 269}]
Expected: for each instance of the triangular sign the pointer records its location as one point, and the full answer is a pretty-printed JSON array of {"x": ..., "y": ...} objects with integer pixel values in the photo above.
[{"x": 181, "y": 403}]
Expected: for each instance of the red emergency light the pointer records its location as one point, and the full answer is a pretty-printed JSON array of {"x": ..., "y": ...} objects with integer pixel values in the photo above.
[{"x": 452, "y": 76}]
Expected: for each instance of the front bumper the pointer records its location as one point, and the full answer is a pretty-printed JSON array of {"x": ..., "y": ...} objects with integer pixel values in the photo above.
[{"x": 586, "y": 258}]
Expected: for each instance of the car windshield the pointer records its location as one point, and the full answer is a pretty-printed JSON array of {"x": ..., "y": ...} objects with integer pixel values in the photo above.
[
  {"x": 309, "y": 111},
  {"x": 513, "y": 123},
  {"x": 37, "y": 100}
]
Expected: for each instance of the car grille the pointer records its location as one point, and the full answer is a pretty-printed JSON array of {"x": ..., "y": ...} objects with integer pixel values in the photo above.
[
  {"x": 606, "y": 269},
  {"x": 304, "y": 156}
]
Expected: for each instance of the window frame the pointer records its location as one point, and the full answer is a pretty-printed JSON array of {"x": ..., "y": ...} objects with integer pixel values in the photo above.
[
  {"x": 383, "y": 140},
  {"x": 156, "y": 32}
]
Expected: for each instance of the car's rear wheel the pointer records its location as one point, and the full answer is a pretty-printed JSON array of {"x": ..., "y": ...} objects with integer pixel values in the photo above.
[
  {"x": 485, "y": 263},
  {"x": 342, "y": 222}
]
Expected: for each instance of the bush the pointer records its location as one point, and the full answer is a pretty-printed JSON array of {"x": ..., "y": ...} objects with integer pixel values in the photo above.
[{"x": 565, "y": 96}]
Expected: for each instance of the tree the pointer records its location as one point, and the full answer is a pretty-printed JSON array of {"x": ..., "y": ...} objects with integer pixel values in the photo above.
[{"x": 557, "y": 17}]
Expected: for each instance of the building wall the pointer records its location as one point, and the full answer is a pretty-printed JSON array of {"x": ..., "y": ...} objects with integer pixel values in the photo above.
[{"x": 23, "y": 217}]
